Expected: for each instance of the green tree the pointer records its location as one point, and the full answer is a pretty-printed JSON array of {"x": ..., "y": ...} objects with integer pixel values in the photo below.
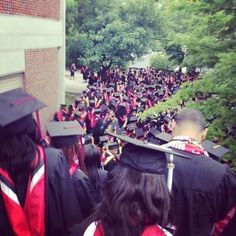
[
  {"x": 110, "y": 32},
  {"x": 206, "y": 29}
]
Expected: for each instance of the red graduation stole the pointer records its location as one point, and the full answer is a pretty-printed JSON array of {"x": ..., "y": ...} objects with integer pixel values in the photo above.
[{"x": 27, "y": 221}]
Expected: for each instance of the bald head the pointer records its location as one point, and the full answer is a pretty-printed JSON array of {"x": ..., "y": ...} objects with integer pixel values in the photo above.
[{"x": 190, "y": 122}]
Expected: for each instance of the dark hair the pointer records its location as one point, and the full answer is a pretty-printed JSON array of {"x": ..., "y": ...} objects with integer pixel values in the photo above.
[
  {"x": 75, "y": 150},
  {"x": 92, "y": 162},
  {"x": 132, "y": 201},
  {"x": 17, "y": 151}
]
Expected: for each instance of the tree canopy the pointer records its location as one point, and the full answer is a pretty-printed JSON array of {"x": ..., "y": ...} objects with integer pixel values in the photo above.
[
  {"x": 205, "y": 30},
  {"x": 198, "y": 34},
  {"x": 110, "y": 32}
]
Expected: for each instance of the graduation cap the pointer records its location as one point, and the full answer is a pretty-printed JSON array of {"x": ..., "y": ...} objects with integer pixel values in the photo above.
[
  {"x": 91, "y": 102},
  {"x": 121, "y": 131},
  {"x": 125, "y": 98},
  {"x": 160, "y": 92},
  {"x": 113, "y": 103},
  {"x": 97, "y": 111},
  {"x": 144, "y": 100},
  {"x": 112, "y": 145},
  {"x": 163, "y": 137},
  {"x": 64, "y": 134},
  {"x": 139, "y": 133},
  {"x": 63, "y": 105},
  {"x": 131, "y": 127},
  {"x": 111, "y": 85},
  {"x": 148, "y": 157},
  {"x": 93, "y": 88},
  {"x": 133, "y": 119},
  {"x": 117, "y": 95},
  {"x": 16, "y": 105},
  {"x": 104, "y": 138},
  {"x": 78, "y": 99},
  {"x": 104, "y": 108},
  {"x": 216, "y": 151},
  {"x": 110, "y": 90}
]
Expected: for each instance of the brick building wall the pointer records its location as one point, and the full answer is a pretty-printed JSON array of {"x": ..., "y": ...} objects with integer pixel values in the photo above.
[
  {"x": 38, "y": 8},
  {"x": 32, "y": 42},
  {"x": 41, "y": 78}
]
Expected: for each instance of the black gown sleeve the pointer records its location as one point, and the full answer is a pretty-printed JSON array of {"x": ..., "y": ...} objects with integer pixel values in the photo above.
[{"x": 62, "y": 207}]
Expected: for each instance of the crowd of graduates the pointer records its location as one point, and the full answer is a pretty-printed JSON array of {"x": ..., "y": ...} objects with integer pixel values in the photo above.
[
  {"x": 114, "y": 98},
  {"x": 101, "y": 171}
]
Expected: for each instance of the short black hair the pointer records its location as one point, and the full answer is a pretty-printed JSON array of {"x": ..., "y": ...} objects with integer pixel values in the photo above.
[{"x": 192, "y": 115}]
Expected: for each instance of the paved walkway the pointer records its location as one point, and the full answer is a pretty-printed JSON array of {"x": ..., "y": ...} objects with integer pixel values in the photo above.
[{"x": 76, "y": 85}]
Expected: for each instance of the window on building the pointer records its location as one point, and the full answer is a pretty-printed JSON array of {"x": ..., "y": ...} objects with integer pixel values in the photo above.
[{"x": 11, "y": 81}]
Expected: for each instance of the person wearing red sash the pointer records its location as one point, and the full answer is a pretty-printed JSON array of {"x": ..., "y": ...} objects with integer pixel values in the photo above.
[
  {"x": 204, "y": 190},
  {"x": 35, "y": 186},
  {"x": 136, "y": 200}
]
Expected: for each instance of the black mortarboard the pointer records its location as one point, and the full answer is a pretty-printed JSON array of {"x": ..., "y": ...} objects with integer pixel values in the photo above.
[
  {"x": 15, "y": 105},
  {"x": 139, "y": 133},
  {"x": 121, "y": 131},
  {"x": 152, "y": 97},
  {"x": 163, "y": 137},
  {"x": 133, "y": 119},
  {"x": 216, "y": 151},
  {"x": 78, "y": 99},
  {"x": 63, "y": 105},
  {"x": 160, "y": 93},
  {"x": 111, "y": 85},
  {"x": 104, "y": 108},
  {"x": 144, "y": 156},
  {"x": 93, "y": 88},
  {"x": 97, "y": 111},
  {"x": 144, "y": 100},
  {"x": 91, "y": 102},
  {"x": 110, "y": 90},
  {"x": 153, "y": 132},
  {"x": 117, "y": 94},
  {"x": 113, "y": 103},
  {"x": 125, "y": 98},
  {"x": 131, "y": 127},
  {"x": 104, "y": 138},
  {"x": 64, "y": 134},
  {"x": 112, "y": 145}
]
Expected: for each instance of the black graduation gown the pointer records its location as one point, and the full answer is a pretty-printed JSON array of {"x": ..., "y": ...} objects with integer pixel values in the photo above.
[
  {"x": 87, "y": 195},
  {"x": 62, "y": 208},
  {"x": 204, "y": 191}
]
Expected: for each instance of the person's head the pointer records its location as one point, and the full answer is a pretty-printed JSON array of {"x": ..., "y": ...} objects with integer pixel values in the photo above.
[
  {"x": 92, "y": 156},
  {"x": 19, "y": 132},
  {"x": 132, "y": 201},
  {"x": 190, "y": 122}
]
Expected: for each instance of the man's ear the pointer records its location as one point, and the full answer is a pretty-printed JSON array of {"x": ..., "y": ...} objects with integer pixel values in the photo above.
[{"x": 204, "y": 134}]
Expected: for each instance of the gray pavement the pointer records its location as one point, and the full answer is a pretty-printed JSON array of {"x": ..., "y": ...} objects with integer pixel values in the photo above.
[{"x": 76, "y": 85}]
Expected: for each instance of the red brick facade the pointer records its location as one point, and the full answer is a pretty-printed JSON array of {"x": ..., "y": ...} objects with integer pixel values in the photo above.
[
  {"x": 39, "y": 8},
  {"x": 41, "y": 78}
]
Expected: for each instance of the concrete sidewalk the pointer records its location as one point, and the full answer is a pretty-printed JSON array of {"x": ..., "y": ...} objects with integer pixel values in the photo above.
[{"x": 75, "y": 85}]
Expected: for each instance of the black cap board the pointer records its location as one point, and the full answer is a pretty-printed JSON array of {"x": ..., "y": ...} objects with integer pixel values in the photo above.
[
  {"x": 215, "y": 150},
  {"x": 143, "y": 156},
  {"x": 64, "y": 134},
  {"x": 148, "y": 145},
  {"x": 163, "y": 137},
  {"x": 17, "y": 104},
  {"x": 139, "y": 133},
  {"x": 104, "y": 138}
]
